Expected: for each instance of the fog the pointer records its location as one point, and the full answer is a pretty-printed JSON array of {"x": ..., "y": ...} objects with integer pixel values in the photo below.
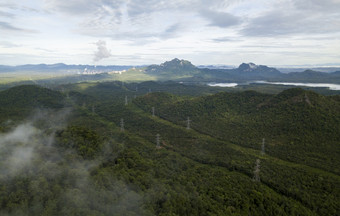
[{"x": 29, "y": 151}]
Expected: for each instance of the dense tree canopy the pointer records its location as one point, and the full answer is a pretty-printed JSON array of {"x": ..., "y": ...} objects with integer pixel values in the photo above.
[{"x": 71, "y": 157}]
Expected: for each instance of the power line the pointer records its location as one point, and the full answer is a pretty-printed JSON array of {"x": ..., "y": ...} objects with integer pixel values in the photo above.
[
  {"x": 188, "y": 123},
  {"x": 256, "y": 177},
  {"x": 263, "y": 147},
  {"x": 122, "y": 124},
  {"x": 158, "y": 139}
]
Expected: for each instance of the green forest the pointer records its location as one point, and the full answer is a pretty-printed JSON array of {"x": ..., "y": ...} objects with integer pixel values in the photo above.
[{"x": 165, "y": 148}]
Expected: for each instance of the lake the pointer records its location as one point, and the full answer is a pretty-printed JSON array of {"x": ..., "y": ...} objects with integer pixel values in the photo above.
[{"x": 331, "y": 86}]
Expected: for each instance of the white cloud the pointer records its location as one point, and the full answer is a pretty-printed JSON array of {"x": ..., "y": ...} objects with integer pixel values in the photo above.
[{"x": 175, "y": 28}]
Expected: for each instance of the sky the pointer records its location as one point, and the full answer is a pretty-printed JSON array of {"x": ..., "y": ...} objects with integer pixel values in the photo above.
[{"x": 139, "y": 32}]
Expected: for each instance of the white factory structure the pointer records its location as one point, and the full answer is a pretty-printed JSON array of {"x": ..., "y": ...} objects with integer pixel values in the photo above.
[{"x": 87, "y": 71}]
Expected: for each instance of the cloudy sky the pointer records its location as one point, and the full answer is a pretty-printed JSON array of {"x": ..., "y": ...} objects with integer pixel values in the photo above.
[{"x": 111, "y": 32}]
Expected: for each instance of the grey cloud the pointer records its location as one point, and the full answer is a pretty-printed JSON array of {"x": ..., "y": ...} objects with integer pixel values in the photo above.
[
  {"x": 171, "y": 31},
  {"x": 7, "y": 5},
  {"x": 133, "y": 36},
  {"x": 82, "y": 7},
  {"x": 102, "y": 51},
  {"x": 317, "y": 5},
  {"x": 14, "y": 7},
  {"x": 74, "y": 7},
  {"x": 103, "y": 17},
  {"x": 6, "y": 44},
  {"x": 6, "y": 14},
  {"x": 45, "y": 50},
  {"x": 220, "y": 19},
  {"x": 173, "y": 28},
  {"x": 278, "y": 23},
  {"x": 138, "y": 7},
  {"x": 9, "y": 27},
  {"x": 141, "y": 38},
  {"x": 225, "y": 39},
  {"x": 296, "y": 17},
  {"x": 94, "y": 13}
]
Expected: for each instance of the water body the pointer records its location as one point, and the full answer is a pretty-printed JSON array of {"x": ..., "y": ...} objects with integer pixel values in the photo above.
[
  {"x": 331, "y": 86},
  {"x": 223, "y": 84},
  {"x": 317, "y": 85}
]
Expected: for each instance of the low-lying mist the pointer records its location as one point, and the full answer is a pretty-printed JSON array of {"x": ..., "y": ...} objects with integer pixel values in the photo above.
[{"x": 53, "y": 180}]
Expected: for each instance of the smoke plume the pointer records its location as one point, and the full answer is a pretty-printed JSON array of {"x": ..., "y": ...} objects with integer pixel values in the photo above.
[{"x": 102, "y": 51}]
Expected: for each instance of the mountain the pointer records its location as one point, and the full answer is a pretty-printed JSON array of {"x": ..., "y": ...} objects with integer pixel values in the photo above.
[
  {"x": 250, "y": 72},
  {"x": 247, "y": 67},
  {"x": 245, "y": 72},
  {"x": 309, "y": 76},
  {"x": 326, "y": 69},
  {"x": 173, "y": 69},
  {"x": 253, "y": 71},
  {"x": 184, "y": 70}
]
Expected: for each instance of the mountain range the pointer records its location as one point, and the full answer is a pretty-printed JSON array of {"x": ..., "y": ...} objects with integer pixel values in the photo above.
[{"x": 183, "y": 70}]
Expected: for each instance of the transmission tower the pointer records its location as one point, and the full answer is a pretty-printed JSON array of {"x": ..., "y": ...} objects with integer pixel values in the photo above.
[
  {"x": 149, "y": 90},
  {"x": 92, "y": 109},
  {"x": 188, "y": 123},
  {"x": 136, "y": 88},
  {"x": 153, "y": 111},
  {"x": 158, "y": 139},
  {"x": 256, "y": 177},
  {"x": 262, "y": 147},
  {"x": 126, "y": 100},
  {"x": 122, "y": 124}
]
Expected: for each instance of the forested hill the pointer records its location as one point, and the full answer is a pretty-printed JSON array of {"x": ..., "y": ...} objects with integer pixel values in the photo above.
[
  {"x": 167, "y": 149},
  {"x": 298, "y": 125},
  {"x": 19, "y": 101}
]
